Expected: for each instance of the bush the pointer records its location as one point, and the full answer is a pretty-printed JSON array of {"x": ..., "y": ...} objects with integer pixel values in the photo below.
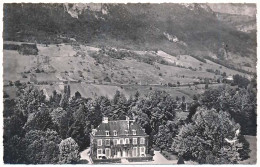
[
  {"x": 105, "y": 161},
  {"x": 69, "y": 151},
  {"x": 247, "y": 65},
  {"x": 11, "y": 83},
  {"x": 140, "y": 159},
  {"x": 206, "y": 86},
  {"x": 17, "y": 83},
  {"x": 24, "y": 76},
  {"x": 171, "y": 85},
  {"x": 5, "y": 95},
  {"x": 107, "y": 79}
]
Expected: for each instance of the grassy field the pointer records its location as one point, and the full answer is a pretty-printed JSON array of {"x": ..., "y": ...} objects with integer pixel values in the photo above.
[
  {"x": 64, "y": 58},
  {"x": 76, "y": 63}
]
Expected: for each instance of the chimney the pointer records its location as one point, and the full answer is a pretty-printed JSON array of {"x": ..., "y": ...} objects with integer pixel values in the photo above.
[
  {"x": 127, "y": 120},
  {"x": 105, "y": 120},
  {"x": 94, "y": 131}
]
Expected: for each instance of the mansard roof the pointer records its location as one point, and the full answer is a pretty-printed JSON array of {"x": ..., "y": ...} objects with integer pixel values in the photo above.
[{"x": 120, "y": 126}]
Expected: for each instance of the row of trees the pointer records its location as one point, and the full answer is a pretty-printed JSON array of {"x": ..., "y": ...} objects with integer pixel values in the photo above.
[{"x": 37, "y": 130}]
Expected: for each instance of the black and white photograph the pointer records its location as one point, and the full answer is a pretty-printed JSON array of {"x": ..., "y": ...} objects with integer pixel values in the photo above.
[{"x": 129, "y": 83}]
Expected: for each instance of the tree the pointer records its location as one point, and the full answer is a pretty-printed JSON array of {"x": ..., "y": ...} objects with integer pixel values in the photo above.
[
  {"x": 14, "y": 150},
  {"x": 78, "y": 127},
  {"x": 55, "y": 99},
  {"x": 65, "y": 97},
  {"x": 178, "y": 83},
  {"x": 136, "y": 96},
  {"x": 29, "y": 100},
  {"x": 69, "y": 151},
  {"x": 177, "y": 98},
  {"x": 153, "y": 110},
  {"x": 17, "y": 83},
  {"x": 41, "y": 147},
  {"x": 241, "y": 81},
  {"x": 240, "y": 104},
  {"x": 206, "y": 138},
  {"x": 14, "y": 125},
  {"x": 183, "y": 98},
  {"x": 77, "y": 95},
  {"x": 62, "y": 121},
  {"x": 163, "y": 139},
  {"x": 119, "y": 106},
  {"x": 206, "y": 86},
  {"x": 40, "y": 120}
]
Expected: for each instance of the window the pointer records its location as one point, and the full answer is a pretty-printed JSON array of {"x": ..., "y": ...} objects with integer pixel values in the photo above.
[
  {"x": 142, "y": 149},
  {"x": 134, "y": 140},
  {"x": 126, "y": 132},
  {"x": 99, "y": 151},
  {"x": 115, "y": 133},
  {"x": 121, "y": 141},
  {"x": 107, "y": 142},
  {"x": 107, "y": 133},
  {"x": 127, "y": 141},
  {"x": 134, "y": 132},
  {"x": 135, "y": 152},
  {"x": 142, "y": 141},
  {"x": 115, "y": 141},
  {"x": 99, "y": 141}
]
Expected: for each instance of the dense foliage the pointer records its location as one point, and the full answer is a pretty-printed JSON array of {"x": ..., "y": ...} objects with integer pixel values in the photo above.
[
  {"x": 204, "y": 139},
  {"x": 72, "y": 118},
  {"x": 240, "y": 104},
  {"x": 35, "y": 127},
  {"x": 69, "y": 151}
]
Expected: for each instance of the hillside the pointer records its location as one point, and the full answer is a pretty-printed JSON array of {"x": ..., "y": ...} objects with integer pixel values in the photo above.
[
  {"x": 98, "y": 71},
  {"x": 137, "y": 26},
  {"x": 141, "y": 45}
]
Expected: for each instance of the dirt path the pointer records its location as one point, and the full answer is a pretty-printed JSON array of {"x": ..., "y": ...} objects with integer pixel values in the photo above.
[{"x": 85, "y": 156}]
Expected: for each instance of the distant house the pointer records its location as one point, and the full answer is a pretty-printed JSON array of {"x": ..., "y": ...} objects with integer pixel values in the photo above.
[
  {"x": 28, "y": 49},
  {"x": 118, "y": 139},
  {"x": 228, "y": 79}
]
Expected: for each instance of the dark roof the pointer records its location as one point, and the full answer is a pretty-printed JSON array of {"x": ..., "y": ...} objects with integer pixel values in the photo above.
[{"x": 120, "y": 126}]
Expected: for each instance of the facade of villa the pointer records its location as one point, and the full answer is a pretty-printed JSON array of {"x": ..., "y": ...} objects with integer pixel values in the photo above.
[{"x": 118, "y": 139}]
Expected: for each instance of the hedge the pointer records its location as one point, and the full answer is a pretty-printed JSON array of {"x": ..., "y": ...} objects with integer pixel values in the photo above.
[
  {"x": 140, "y": 159},
  {"x": 104, "y": 161}
]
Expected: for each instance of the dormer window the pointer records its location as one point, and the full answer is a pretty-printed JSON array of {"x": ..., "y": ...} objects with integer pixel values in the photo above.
[
  {"x": 107, "y": 133},
  {"x": 134, "y": 132},
  {"x": 115, "y": 133},
  {"x": 142, "y": 141}
]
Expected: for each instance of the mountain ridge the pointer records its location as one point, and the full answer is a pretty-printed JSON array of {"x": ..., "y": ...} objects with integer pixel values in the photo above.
[{"x": 137, "y": 26}]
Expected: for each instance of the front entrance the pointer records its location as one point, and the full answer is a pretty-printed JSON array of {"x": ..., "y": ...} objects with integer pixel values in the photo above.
[
  {"x": 119, "y": 153},
  {"x": 108, "y": 152}
]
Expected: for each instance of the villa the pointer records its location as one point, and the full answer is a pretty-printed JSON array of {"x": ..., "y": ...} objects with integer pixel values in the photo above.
[{"x": 118, "y": 139}]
